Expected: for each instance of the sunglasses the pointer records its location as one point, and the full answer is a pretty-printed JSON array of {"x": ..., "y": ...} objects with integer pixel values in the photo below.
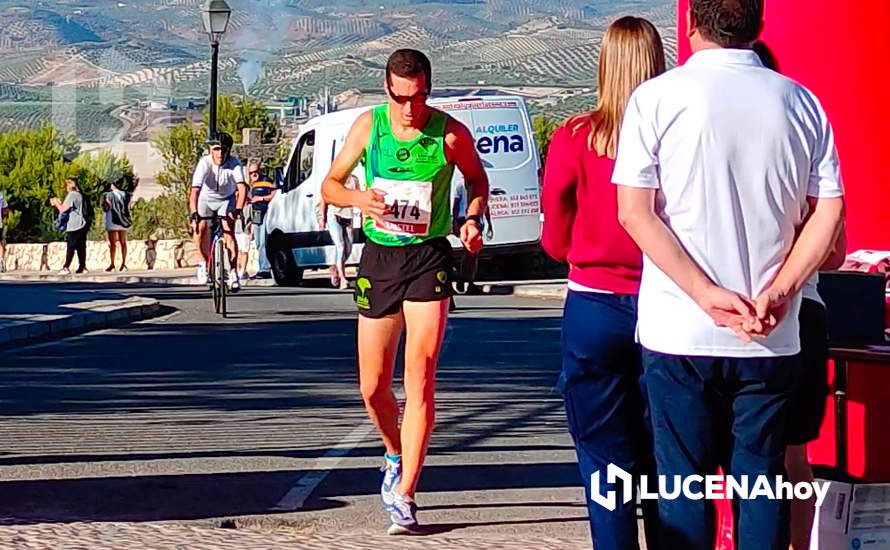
[
  {"x": 216, "y": 148},
  {"x": 420, "y": 97}
]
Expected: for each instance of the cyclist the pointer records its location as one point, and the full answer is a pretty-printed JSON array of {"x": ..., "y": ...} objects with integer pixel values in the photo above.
[
  {"x": 218, "y": 188},
  {"x": 409, "y": 151}
]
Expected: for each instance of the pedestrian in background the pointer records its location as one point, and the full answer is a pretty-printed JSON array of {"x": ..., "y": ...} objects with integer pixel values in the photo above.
[
  {"x": 262, "y": 191},
  {"x": 116, "y": 205},
  {"x": 73, "y": 216},
  {"x": 601, "y": 365},
  {"x": 243, "y": 230},
  {"x": 338, "y": 222}
]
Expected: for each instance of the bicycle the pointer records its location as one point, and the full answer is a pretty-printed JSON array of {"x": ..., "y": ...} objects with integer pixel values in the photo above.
[{"x": 217, "y": 268}]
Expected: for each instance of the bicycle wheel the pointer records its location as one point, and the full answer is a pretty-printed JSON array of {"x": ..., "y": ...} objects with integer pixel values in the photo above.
[
  {"x": 214, "y": 277},
  {"x": 219, "y": 259}
]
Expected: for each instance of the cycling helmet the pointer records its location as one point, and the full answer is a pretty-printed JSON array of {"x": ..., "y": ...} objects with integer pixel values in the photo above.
[{"x": 222, "y": 139}]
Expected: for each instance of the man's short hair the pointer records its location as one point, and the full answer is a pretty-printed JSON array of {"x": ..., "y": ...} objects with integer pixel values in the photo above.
[
  {"x": 729, "y": 23},
  {"x": 408, "y": 63}
]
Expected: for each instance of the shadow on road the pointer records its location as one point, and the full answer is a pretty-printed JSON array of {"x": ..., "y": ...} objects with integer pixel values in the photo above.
[
  {"x": 205, "y": 496},
  {"x": 148, "y": 498},
  {"x": 285, "y": 389}
]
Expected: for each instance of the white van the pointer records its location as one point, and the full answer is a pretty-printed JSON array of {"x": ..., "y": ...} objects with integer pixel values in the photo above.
[{"x": 504, "y": 141}]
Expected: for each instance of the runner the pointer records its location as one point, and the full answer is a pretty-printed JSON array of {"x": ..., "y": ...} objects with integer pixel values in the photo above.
[
  {"x": 218, "y": 187},
  {"x": 409, "y": 151}
]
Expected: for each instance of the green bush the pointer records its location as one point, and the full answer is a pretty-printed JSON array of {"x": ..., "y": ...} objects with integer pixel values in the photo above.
[
  {"x": 95, "y": 172},
  {"x": 33, "y": 167},
  {"x": 543, "y": 127},
  {"x": 166, "y": 216},
  {"x": 163, "y": 217},
  {"x": 180, "y": 148},
  {"x": 33, "y": 163}
]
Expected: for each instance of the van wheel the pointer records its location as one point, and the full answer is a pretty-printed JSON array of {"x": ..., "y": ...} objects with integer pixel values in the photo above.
[{"x": 285, "y": 270}]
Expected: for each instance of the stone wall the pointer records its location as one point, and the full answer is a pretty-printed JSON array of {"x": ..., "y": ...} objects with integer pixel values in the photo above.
[{"x": 141, "y": 255}]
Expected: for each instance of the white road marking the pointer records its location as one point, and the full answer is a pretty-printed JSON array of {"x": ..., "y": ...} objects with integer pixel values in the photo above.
[{"x": 293, "y": 500}]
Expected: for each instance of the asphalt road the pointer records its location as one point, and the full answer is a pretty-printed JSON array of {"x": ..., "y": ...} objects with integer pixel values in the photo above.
[{"x": 255, "y": 421}]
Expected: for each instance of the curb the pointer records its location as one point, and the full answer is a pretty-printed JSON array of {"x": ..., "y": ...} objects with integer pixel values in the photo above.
[
  {"x": 100, "y": 315},
  {"x": 542, "y": 292},
  {"x": 123, "y": 279}
]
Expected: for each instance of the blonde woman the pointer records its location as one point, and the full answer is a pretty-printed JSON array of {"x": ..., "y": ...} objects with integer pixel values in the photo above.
[
  {"x": 601, "y": 367},
  {"x": 76, "y": 227}
]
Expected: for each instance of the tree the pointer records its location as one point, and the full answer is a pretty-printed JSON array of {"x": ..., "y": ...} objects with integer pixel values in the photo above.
[
  {"x": 95, "y": 173},
  {"x": 543, "y": 127},
  {"x": 163, "y": 217},
  {"x": 33, "y": 167},
  {"x": 166, "y": 216},
  {"x": 181, "y": 149},
  {"x": 234, "y": 114}
]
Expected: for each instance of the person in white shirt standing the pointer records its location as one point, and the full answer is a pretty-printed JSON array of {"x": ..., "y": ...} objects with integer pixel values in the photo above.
[
  {"x": 218, "y": 188},
  {"x": 4, "y": 211},
  {"x": 338, "y": 222},
  {"x": 721, "y": 163}
]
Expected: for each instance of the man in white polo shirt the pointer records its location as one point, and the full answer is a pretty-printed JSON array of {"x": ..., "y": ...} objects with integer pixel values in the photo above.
[{"x": 718, "y": 162}]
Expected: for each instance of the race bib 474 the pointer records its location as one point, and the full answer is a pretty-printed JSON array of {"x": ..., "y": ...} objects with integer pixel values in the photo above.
[{"x": 408, "y": 206}]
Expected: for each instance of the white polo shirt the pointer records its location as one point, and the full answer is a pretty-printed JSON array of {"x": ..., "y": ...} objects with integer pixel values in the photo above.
[
  {"x": 218, "y": 182},
  {"x": 734, "y": 150}
]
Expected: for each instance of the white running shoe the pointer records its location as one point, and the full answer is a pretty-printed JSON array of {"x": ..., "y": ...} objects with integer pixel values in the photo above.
[
  {"x": 392, "y": 476},
  {"x": 234, "y": 281},
  {"x": 201, "y": 274},
  {"x": 403, "y": 516}
]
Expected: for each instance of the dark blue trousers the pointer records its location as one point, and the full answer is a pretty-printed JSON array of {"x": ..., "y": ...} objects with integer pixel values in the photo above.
[
  {"x": 606, "y": 409},
  {"x": 730, "y": 412}
]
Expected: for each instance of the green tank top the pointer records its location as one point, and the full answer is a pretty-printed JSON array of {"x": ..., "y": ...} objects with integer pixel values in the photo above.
[{"x": 415, "y": 177}]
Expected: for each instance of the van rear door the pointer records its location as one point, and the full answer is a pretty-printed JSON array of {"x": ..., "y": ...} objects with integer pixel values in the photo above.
[{"x": 505, "y": 143}]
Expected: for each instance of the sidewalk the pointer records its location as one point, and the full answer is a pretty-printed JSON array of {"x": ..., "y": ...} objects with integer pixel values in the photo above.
[
  {"x": 34, "y": 312},
  {"x": 547, "y": 289},
  {"x": 542, "y": 290},
  {"x": 175, "y": 277},
  {"x": 151, "y": 277}
]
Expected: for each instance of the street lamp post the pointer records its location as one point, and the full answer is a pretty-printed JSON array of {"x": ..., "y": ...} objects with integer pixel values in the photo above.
[{"x": 215, "y": 15}]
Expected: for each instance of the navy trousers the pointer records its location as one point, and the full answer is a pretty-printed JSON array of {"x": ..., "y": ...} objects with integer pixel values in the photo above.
[
  {"x": 606, "y": 409},
  {"x": 730, "y": 412}
]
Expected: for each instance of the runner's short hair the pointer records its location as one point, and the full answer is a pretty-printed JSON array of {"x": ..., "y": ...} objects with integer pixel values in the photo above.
[
  {"x": 729, "y": 23},
  {"x": 408, "y": 63}
]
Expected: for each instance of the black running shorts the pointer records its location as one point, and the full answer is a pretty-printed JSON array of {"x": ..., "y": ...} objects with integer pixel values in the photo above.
[
  {"x": 391, "y": 275},
  {"x": 808, "y": 402}
]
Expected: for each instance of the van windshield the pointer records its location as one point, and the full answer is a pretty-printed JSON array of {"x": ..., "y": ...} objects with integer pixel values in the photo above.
[{"x": 501, "y": 134}]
